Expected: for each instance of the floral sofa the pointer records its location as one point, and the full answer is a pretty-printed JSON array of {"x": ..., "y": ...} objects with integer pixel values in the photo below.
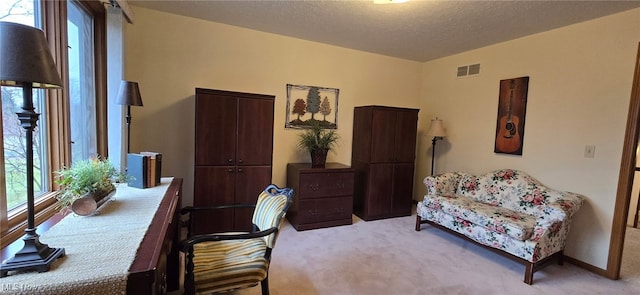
[{"x": 506, "y": 210}]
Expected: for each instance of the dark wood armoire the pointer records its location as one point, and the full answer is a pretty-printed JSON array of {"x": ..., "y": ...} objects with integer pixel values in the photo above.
[
  {"x": 383, "y": 156},
  {"x": 233, "y": 156}
]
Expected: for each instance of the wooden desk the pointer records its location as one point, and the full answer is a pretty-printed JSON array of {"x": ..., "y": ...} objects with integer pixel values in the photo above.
[{"x": 155, "y": 268}]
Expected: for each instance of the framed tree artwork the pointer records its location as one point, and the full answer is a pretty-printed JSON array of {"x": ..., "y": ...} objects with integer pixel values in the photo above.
[
  {"x": 311, "y": 104},
  {"x": 512, "y": 106}
]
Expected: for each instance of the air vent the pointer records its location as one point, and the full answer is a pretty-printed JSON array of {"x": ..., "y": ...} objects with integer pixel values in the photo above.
[
  {"x": 468, "y": 70},
  {"x": 474, "y": 69},
  {"x": 462, "y": 71}
]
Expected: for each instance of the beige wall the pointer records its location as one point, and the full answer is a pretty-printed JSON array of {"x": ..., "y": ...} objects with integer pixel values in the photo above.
[
  {"x": 579, "y": 91},
  {"x": 171, "y": 55}
]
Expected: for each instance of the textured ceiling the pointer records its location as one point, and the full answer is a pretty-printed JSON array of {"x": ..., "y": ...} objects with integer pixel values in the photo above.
[{"x": 416, "y": 30}]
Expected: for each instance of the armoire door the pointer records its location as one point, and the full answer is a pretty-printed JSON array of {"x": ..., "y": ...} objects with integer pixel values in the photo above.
[
  {"x": 216, "y": 129},
  {"x": 380, "y": 189},
  {"x": 402, "y": 194},
  {"x": 216, "y": 186},
  {"x": 383, "y": 139},
  {"x": 255, "y": 132},
  {"x": 250, "y": 182},
  {"x": 405, "y": 136}
]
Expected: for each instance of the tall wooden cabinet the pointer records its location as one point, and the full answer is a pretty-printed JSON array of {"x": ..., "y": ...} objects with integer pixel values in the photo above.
[
  {"x": 233, "y": 156},
  {"x": 383, "y": 156}
]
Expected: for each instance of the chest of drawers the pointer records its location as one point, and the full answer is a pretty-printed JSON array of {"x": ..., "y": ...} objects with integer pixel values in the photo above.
[{"x": 323, "y": 196}]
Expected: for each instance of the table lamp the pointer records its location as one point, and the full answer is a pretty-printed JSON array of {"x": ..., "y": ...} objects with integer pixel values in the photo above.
[{"x": 129, "y": 95}]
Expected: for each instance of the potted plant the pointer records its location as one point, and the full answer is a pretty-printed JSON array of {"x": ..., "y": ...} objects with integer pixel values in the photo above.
[
  {"x": 318, "y": 141},
  {"x": 86, "y": 185}
]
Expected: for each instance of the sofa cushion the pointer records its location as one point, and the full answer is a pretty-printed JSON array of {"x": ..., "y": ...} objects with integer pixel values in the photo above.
[
  {"x": 497, "y": 219},
  {"x": 510, "y": 189}
]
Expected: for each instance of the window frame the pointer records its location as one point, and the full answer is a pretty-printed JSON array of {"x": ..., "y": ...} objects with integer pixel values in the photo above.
[{"x": 54, "y": 22}]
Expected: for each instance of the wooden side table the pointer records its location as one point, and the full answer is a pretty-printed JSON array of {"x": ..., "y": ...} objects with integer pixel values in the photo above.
[{"x": 323, "y": 196}]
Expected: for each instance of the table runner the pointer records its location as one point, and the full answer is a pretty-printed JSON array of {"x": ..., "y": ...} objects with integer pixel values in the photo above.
[{"x": 99, "y": 248}]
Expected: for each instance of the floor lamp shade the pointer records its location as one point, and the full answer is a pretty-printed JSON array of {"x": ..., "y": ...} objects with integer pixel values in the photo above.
[
  {"x": 26, "y": 62},
  {"x": 437, "y": 131}
]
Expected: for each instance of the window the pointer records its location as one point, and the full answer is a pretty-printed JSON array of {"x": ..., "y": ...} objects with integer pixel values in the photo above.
[
  {"x": 72, "y": 120},
  {"x": 82, "y": 91},
  {"x": 24, "y": 12}
]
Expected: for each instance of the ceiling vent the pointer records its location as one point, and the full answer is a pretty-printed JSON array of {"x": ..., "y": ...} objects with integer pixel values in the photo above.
[{"x": 468, "y": 70}]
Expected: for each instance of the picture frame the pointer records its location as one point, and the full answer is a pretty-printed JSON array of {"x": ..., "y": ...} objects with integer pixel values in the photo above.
[
  {"x": 311, "y": 104},
  {"x": 512, "y": 106}
]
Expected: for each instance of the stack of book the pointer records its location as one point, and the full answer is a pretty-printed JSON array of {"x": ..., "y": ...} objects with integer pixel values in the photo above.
[{"x": 144, "y": 169}]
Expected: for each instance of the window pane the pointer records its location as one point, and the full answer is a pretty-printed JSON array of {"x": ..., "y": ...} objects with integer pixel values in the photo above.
[
  {"x": 82, "y": 92},
  {"x": 24, "y": 12}
]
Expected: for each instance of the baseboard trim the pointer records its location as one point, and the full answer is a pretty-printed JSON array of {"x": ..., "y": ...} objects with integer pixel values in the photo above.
[{"x": 587, "y": 266}]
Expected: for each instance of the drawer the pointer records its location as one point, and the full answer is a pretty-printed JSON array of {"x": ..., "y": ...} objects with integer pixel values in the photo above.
[
  {"x": 325, "y": 185},
  {"x": 326, "y": 209}
]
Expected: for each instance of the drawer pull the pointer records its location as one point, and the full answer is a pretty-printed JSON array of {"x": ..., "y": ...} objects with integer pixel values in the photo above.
[
  {"x": 340, "y": 184},
  {"x": 314, "y": 186}
]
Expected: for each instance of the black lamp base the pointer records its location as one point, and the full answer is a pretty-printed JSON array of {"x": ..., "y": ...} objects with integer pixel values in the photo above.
[{"x": 34, "y": 256}]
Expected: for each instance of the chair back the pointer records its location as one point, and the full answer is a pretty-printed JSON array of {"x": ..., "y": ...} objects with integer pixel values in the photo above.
[{"x": 270, "y": 210}]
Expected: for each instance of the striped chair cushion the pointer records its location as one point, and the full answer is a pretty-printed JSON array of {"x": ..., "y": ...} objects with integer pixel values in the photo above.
[
  {"x": 269, "y": 213},
  {"x": 228, "y": 265}
]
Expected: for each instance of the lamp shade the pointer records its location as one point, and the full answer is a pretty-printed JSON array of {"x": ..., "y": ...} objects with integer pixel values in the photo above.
[
  {"x": 436, "y": 129},
  {"x": 25, "y": 59},
  {"x": 129, "y": 94}
]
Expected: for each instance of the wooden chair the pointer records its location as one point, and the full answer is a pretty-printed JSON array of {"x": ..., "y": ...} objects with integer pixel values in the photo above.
[{"x": 228, "y": 261}]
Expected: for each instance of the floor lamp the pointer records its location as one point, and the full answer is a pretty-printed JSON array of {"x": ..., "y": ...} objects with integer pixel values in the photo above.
[
  {"x": 129, "y": 95},
  {"x": 437, "y": 131},
  {"x": 26, "y": 62}
]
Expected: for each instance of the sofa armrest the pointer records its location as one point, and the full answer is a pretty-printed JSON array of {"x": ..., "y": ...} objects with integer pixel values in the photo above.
[
  {"x": 551, "y": 229},
  {"x": 561, "y": 205},
  {"x": 443, "y": 184}
]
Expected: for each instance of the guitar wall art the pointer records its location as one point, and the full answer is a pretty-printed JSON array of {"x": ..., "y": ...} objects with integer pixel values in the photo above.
[{"x": 512, "y": 106}]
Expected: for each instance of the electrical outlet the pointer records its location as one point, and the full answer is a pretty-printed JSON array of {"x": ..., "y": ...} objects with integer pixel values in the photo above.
[{"x": 589, "y": 151}]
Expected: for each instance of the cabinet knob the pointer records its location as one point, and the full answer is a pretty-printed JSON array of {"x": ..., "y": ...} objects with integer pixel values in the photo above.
[
  {"x": 230, "y": 160},
  {"x": 314, "y": 186},
  {"x": 230, "y": 170},
  {"x": 240, "y": 170},
  {"x": 240, "y": 161}
]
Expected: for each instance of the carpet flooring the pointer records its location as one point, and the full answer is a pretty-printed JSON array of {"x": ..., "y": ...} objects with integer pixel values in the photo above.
[{"x": 389, "y": 257}]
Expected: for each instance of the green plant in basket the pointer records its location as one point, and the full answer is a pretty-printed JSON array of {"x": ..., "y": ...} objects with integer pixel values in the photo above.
[
  {"x": 318, "y": 141},
  {"x": 317, "y": 138},
  {"x": 91, "y": 176}
]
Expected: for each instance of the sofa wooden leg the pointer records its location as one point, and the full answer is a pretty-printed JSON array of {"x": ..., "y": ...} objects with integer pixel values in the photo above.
[
  {"x": 528, "y": 273},
  {"x": 561, "y": 257},
  {"x": 418, "y": 223}
]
